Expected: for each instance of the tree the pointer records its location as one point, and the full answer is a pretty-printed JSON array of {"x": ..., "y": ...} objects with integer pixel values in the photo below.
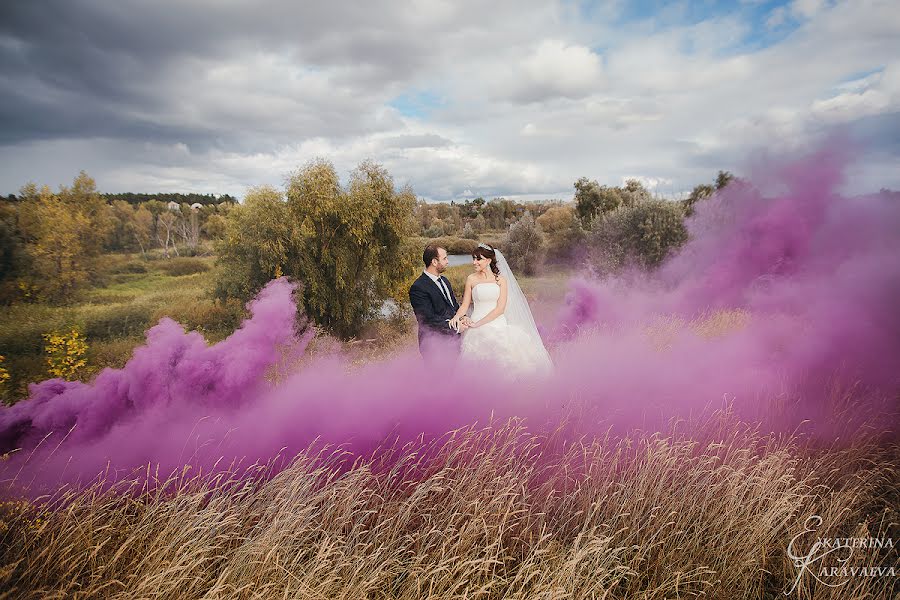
[
  {"x": 60, "y": 256},
  {"x": 593, "y": 200},
  {"x": 700, "y": 192},
  {"x": 723, "y": 179},
  {"x": 257, "y": 244},
  {"x": 479, "y": 224},
  {"x": 525, "y": 246},
  {"x": 437, "y": 229},
  {"x": 84, "y": 199},
  {"x": 562, "y": 230},
  {"x": 352, "y": 253},
  {"x": 188, "y": 227},
  {"x": 643, "y": 234},
  {"x": 64, "y": 235},
  {"x": 348, "y": 247},
  {"x": 705, "y": 190},
  {"x": 13, "y": 258},
  {"x": 214, "y": 227},
  {"x": 633, "y": 193},
  {"x": 166, "y": 222},
  {"x": 142, "y": 231},
  {"x": 122, "y": 231}
]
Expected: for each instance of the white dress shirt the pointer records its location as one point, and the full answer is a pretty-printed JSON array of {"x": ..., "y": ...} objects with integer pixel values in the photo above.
[{"x": 445, "y": 291}]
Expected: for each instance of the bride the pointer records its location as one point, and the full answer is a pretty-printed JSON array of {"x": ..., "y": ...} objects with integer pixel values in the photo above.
[{"x": 501, "y": 327}]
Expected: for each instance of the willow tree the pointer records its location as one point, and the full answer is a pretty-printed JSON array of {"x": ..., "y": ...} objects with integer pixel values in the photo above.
[
  {"x": 348, "y": 246},
  {"x": 351, "y": 252},
  {"x": 255, "y": 244}
]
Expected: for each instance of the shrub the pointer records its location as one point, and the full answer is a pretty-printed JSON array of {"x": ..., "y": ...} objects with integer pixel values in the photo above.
[
  {"x": 457, "y": 278},
  {"x": 525, "y": 246},
  {"x": 112, "y": 353},
  {"x": 132, "y": 266},
  {"x": 434, "y": 230},
  {"x": 117, "y": 321},
  {"x": 4, "y": 378},
  {"x": 643, "y": 234},
  {"x": 65, "y": 354},
  {"x": 453, "y": 245},
  {"x": 178, "y": 267},
  {"x": 21, "y": 332},
  {"x": 564, "y": 234},
  {"x": 205, "y": 316}
]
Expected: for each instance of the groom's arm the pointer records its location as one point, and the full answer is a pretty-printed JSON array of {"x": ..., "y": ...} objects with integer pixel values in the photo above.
[{"x": 421, "y": 305}]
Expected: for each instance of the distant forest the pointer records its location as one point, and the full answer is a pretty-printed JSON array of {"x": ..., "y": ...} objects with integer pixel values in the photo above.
[{"x": 135, "y": 199}]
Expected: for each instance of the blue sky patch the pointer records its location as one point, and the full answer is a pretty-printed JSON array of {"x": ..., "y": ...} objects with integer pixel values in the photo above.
[{"x": 418, "y": 104}]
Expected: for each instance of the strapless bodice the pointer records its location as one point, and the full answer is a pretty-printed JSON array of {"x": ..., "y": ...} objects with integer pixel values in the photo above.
[{"x": 485, "y": 297}]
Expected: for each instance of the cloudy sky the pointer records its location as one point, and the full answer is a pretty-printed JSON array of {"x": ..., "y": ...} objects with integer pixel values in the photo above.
[{"x": 456, "y": 98}]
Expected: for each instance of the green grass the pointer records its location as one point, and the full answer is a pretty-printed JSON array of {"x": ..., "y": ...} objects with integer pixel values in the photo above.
[
  {"x": 115, "y": 316},
  {"x": 138, "y": 292},
  {"x": 547, "y": 288}
]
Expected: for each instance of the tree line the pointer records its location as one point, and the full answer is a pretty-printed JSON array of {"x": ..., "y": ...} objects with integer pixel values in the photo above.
[
  {"x": 606, "y": 228},
  {"x": 133, "y": 198},
  {"x": 473, "y": 217},
  {"x": 353, "y": 247},
  {"x": 51, "y": 242}
]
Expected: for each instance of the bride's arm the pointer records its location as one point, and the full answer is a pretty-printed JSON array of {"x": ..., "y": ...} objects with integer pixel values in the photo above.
[
  {"x": 498, "y": 310},
  {"x": 467, "y": 300}
]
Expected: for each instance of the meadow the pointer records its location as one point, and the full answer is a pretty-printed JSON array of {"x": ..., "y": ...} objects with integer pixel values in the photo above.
[
  {"x": 503, "y": 509},
  {"x": 136, "y": 292},
  {"x": 139, "y": 290},
  {"x": 491, "y": 511}
]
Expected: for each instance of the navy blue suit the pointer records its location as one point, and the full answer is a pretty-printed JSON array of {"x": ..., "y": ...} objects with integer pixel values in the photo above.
[{"x": 432, "y": 309}]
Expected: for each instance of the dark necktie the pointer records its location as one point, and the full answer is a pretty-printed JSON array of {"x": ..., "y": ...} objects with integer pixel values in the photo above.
[{"x": 444, "y": 290}]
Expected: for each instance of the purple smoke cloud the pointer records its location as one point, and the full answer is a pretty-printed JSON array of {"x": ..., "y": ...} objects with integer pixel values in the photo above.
[{"x": 816, "y": 274}]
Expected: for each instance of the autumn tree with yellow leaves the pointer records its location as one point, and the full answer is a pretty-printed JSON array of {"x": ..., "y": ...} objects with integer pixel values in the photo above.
[{"x": 64, "y": 235}]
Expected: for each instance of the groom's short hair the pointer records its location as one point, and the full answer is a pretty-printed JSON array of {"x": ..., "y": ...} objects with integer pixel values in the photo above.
[{"x": 430, "y": 253}]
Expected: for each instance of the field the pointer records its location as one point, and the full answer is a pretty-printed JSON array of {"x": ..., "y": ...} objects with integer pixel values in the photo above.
[
  {"x": 495, "y": 510},
  {"x": 492, "y": 512},
  {"x": 113, "y": 317},
  {"x": 138, "y": 291}
]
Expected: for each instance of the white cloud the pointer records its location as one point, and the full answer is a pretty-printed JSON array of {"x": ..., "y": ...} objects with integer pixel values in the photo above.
[
  {"x": 777, "y": 17},
  {"x": 850, "y": 106},
  {"x": 807, "y": 8},
  {"x": 556, "y": 69}
]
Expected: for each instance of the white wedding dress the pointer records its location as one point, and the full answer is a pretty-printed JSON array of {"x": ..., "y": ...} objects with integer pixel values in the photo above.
[{"x": 514, "y": 348}]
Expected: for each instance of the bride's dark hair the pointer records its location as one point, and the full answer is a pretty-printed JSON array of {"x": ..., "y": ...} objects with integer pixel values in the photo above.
[{"x": 485, "y": 251}]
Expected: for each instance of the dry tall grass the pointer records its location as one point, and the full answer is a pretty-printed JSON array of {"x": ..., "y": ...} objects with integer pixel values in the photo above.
[{"x": 492, "y": 512}]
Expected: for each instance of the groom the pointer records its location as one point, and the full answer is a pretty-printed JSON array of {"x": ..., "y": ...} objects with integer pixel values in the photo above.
[{"x": 434, "y": 304}]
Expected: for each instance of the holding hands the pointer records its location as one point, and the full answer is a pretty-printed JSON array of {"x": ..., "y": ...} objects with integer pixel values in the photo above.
[{"x": 461, "y": 323}]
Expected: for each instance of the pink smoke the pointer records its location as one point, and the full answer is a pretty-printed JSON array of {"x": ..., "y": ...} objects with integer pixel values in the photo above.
[{"x": 818, "y": 273}]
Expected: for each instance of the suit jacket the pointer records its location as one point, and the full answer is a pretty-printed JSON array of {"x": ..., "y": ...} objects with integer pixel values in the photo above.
[{"x": 431, "y": 307}]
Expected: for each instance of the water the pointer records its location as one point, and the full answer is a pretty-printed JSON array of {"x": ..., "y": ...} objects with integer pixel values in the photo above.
[
  {"x": 459, "y": 259},
  {"x": 455, "y": 260}
]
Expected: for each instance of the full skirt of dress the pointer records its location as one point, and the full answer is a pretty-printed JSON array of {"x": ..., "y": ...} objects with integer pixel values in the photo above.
[{"x": 508, "y": 346}]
